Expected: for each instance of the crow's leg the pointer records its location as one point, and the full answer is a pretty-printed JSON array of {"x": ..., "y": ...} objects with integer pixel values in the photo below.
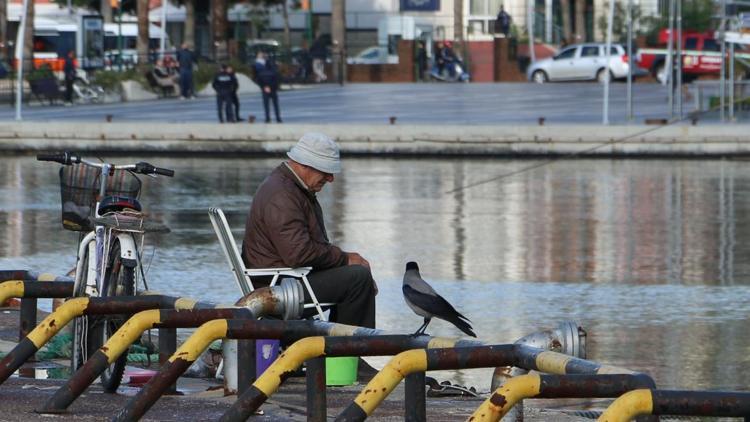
[{"x": 421, "y": 329}]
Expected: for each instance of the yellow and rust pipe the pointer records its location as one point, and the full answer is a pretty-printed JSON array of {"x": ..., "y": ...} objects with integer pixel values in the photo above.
[
  {"x": 628, "y": 406},
  {"x": 76, "y": 307},
  {"x": 537, "y": 385},
  {"x": 505, "y": 397}
]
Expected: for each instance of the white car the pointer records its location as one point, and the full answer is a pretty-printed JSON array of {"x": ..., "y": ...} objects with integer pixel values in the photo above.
[
  {"x": 582, "y": 62},
  {"x": 373, "y": 55}
]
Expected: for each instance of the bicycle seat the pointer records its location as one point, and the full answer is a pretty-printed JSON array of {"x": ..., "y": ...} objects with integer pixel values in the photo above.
[{"x": 118, "y": 203}]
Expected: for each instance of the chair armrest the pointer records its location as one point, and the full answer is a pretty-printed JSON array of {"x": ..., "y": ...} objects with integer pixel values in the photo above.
[{"x": 292, "y": 272}]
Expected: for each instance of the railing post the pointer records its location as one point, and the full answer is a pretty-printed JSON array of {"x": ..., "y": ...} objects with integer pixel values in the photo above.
[
  {"x": 316, "y": 389},
  {"x": 27, "y": 317},
  {"x": 167, "y": 347},
  {"x": 415, "y": 403},
  {"x": 246, "y": 365}
]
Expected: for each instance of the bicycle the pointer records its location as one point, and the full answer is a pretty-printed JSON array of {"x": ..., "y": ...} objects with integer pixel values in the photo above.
[{"x": 100, "y": 201}]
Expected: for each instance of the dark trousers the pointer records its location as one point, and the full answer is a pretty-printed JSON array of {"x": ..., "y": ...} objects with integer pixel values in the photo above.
[
  {"x": 236, "y": 105},
  {"x": 68, "y": 90},
  {"x": 352, "y": 289},
  {"x": 273, "y": 96},
  {"x": 186, "y": 83},
  {"x": 225, "y": 107}
]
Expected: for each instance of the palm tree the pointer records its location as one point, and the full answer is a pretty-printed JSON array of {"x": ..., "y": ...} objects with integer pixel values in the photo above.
[
  {"x": 142, "y": 42},
  {"x": 580, "y": 20},
  {"x": 565, "y": 9},
  {"x": 28, "y": 39},
  {"x": 219, "y": 25}
]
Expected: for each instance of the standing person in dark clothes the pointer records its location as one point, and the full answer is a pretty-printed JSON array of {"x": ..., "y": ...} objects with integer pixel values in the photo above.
[
  {"x": 503, "y": 21},
  {"x": 285, "y": 228},
  {"x": 224, "y": 84},
  {"x": 421, "y": 61},
  {"x": 185, "y": 60},
  {"x": 69, "y": 69},
  {"x": 235, "y": 96},
  {"x": 267, "y": 78}
]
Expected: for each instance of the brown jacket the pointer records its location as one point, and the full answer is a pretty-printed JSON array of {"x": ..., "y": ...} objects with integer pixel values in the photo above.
[{"x": 285, "y": 227}]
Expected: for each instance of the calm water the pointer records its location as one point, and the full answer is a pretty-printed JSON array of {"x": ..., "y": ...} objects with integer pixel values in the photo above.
[{"x": 650, "y": 256}]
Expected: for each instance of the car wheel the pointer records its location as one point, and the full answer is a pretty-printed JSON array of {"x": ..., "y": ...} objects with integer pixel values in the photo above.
[
  {"x": 603, "y": 75},
  {"x": 539, "y": 76}
]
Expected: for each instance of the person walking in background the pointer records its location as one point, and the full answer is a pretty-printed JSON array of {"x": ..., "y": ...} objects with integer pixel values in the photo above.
[
  {"x": 224, "y": 84},
  {"x": 185, "y": 60},
  {"x": 69, "y": 70},
  {"x": 503, "y": 21},
  {"x": 235, "y": 96},
  {"x": 267, "y": 78},
  {"x": 421, "y": 61},
  {"x": 319, "y": 53}
]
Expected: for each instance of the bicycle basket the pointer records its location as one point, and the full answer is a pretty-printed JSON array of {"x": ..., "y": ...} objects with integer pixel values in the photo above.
[{"x": 79, "y": 187}]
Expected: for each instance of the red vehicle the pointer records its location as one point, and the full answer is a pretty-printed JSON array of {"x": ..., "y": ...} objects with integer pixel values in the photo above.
[{"x": 701, "y": 55}]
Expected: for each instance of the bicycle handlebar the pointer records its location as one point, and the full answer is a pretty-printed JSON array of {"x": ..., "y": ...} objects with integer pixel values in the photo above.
[
  {"x": 146, "y": 168},
  {"x": 68, "y": 158},
  {"x": 59, "y": 157}
]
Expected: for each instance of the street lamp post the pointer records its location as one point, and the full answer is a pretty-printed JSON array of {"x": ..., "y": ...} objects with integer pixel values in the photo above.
[{"x": 119, "y": 34}]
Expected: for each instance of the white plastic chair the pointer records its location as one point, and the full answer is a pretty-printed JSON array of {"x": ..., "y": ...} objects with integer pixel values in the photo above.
[{"x": 243, "y": 275}]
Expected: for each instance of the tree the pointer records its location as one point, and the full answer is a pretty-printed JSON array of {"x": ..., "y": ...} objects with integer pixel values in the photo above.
[
  {"x": 565, "y": 11},
  {"x": 619, "y": 23},
  {"x": 141, "y": 44},
  {"x": 580, "y": 20}
]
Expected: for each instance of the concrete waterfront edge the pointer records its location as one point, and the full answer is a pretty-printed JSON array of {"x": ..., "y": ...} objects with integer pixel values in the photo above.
[{"x": 501, "y": 140}]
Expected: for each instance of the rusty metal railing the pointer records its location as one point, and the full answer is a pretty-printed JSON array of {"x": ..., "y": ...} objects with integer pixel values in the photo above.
[
  {"x": 680, "y": 403},
  {"x": 556, "y": 386}
]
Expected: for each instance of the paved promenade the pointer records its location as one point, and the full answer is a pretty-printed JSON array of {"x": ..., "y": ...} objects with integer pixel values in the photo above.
[{"x": 426, "y": 103}]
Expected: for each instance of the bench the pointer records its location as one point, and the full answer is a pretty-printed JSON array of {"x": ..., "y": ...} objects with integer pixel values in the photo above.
[{"x": 45, "y": 88}]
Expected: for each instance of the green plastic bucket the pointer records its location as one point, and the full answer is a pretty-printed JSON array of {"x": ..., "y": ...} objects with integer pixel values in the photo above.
[{"x": 341, "y": 370}]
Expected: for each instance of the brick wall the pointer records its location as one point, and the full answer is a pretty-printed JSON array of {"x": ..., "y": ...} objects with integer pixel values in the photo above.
[{"x": 401, "y": 72}]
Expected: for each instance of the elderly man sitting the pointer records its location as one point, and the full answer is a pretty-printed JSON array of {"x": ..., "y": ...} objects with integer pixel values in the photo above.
[{"x": 285, "y": 229}]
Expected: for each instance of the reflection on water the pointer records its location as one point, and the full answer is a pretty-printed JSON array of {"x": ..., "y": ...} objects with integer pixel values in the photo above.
[{"x": 649, "y": 256}]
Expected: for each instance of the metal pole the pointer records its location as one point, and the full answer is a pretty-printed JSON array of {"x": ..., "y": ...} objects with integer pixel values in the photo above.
[
  {"x": 608, "y": 55},
  {"x": 19, "y": 59},
  {"x": 668, "y": 66},
  {"x": 731, "y": 82},
  {"x": 119, "y": 34},
  {"x": 548, "y": 15},
  {"x": 416, "y": 403},
  {"x": 163, "y": 38},
  {"x": 722, "y": 79},
  {"x": 530, "y": 28},
  {"x": 630, "y": 61},
  {"x": 310, "y": 30},
  {"x": 315, "y": 379},
  {"x": 679, "y": 58}
]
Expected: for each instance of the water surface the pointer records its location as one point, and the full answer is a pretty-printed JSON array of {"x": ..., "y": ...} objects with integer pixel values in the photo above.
[{"x": 649, "y": 256}]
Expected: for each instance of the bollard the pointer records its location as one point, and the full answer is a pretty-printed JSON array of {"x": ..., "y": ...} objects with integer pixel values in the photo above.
[
  {"x": 392, "y": 120},
  {"x": 251, "y": 119},
  {"x": 675, "y": 402}
]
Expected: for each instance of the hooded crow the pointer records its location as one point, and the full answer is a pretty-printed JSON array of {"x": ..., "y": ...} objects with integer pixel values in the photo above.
[{"x": 424, "y": 301}]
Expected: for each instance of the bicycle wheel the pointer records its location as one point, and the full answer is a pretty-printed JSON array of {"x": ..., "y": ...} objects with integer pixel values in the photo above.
[
  {"x": 119, "y": 280},
  {"x": 80, "y": 324}
]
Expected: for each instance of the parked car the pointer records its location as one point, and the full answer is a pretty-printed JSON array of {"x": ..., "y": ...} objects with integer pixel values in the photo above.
[
  {"x": 582, "y": 62},
  {"x": 373, "y": 55}
]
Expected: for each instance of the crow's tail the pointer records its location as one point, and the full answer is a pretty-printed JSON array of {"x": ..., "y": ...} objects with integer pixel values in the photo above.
[{"x": 462, "y": 325}]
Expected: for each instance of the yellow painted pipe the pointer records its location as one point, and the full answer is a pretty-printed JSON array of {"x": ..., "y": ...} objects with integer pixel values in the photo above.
[
  {"x": 628, "y": 406},
  {"x": 192, "y": 348},
  {"x": 130, "y": 332},
  {"x": 389, "y": 377},
  {"x": 10, "y": 289},
  {"x": 556, "y": 363},
  {"x": 506, "y": 396},
  {"x": 58, "y": 319},
  {"x": 291, "y": 359}
]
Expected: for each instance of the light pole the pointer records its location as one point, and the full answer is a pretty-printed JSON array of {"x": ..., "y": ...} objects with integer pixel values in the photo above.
[
  {"x": 119, "y": 34},
  {"x": 19, "y": 59}
]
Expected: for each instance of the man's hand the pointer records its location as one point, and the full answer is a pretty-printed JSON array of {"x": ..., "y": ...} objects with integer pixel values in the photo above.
[
  {"x": 267, "y": 89},
  {"x": 353, "y": 258}
]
